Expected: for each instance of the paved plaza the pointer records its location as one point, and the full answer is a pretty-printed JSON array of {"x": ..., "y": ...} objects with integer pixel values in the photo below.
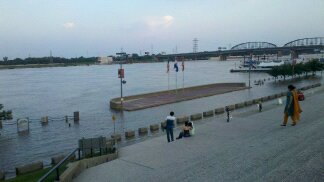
[
  {"x": 251, "y": 147},
  {"x": 143, "y": 101}
]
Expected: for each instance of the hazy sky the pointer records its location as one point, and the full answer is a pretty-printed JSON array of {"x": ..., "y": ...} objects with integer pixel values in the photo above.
[{"x": 73, "y": 28}]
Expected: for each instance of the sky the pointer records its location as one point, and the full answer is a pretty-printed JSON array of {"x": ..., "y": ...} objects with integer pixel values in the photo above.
[{"x": 74, "y": 28}]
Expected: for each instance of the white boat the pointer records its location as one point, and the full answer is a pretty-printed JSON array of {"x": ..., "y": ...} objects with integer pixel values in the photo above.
[{"x": 270, "y": 64}]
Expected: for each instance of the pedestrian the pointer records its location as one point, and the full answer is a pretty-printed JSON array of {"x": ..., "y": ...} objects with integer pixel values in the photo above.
[
  {"x": 170, "y": 125},
  {"x": 185, "y": 130},
  {"x": 227, "y": 110},
  {"x": 260, "y": 106},
  {"x": 292, "y": 107}
]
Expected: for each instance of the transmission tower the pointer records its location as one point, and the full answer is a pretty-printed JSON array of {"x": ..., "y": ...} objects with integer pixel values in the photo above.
[{"x": 195, "y": 45}]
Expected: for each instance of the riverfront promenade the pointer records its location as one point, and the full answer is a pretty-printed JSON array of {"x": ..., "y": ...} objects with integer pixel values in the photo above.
[
  {"x": 251, "y": 147},
  {"x": 148, "y": 100}
]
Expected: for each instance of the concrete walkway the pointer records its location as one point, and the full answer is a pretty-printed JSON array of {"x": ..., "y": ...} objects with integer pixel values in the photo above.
[{"x": 252, "y": 147}]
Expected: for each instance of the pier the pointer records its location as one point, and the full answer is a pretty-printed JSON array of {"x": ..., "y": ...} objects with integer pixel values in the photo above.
[{"x": 142, "y": 101}]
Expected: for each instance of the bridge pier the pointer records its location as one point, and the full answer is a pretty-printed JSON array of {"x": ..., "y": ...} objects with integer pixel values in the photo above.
[
  {"x": 222, "y": 57},
  {"x": 293, "y": 54},
  {"x": 279, "y": 54}
]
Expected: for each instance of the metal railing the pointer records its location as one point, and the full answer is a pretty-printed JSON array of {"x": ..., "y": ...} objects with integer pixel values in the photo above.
[
  {"x": 58, "y": 165},
  {"x": 93, "y": 152}
]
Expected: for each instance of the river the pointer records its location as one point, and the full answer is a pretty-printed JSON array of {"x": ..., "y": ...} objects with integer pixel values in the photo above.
[{"x": 59, "y": 91}]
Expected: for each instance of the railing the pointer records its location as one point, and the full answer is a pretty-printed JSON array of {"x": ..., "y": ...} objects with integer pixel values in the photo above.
[
  {"x": 57, "y": 166},
  {"x": 93, "y": 152}
]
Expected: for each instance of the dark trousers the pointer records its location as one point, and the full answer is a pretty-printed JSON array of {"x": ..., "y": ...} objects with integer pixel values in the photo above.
[
  {"x": 169, "y": 132},
  {"x": 183, "y": 134}
]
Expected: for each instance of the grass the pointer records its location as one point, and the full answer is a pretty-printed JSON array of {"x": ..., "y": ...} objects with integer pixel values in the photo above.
[{"x": 34, "y": 176}]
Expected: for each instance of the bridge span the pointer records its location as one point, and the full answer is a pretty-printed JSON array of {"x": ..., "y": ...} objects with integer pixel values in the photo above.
[{"x": 293, "y": 48}]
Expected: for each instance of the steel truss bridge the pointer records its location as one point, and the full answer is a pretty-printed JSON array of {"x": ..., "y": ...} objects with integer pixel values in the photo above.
[{"x": 294, "y": 48}]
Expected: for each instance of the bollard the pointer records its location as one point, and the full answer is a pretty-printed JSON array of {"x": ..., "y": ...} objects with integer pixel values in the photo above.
[
  {"x": 182, "y": 119},
  {"x": 142, "y": 131},
  {"x": 163, "y": 125},
  {"x": 129, "y": 134},
  {"x": 76, "y": 116},
  {"x": 219, "y": 111},
  {"x": 231, "y": 107},
  {"x": 154, "y": 128},
  {"x": 116, "y": 137},
  {"x": 44, "y": 120},
  {"x": 208, "y": 113},
  {"x": 195, "y": 117},
  {"x": 239, "y": 105}
]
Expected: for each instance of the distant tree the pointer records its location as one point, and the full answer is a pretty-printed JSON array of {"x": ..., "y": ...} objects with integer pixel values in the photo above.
[
  {"x": 275, "y": 72},
  {"x": 298, "y": 69},
  {"x": 285, "y": 70},
  {"x": 313, "y": 66}
]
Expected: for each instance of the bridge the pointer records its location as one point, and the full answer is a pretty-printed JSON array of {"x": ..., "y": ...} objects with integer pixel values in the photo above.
[{"x": 293, "y": 48}]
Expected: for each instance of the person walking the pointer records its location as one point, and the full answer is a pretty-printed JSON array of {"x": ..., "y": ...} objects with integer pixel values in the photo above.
[
  {"x": 170, "y": 125},
  {"x": 292, "y": 107}
]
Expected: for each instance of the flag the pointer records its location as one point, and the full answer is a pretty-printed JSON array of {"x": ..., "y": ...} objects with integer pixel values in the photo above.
[
  {"x": 182, "y": 64},
  {"x": 175, "y": 66},
  {"x": 168, "y": 66}
]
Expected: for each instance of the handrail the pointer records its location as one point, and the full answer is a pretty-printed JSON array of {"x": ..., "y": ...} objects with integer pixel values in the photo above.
[{"x": 56, "y": 167}]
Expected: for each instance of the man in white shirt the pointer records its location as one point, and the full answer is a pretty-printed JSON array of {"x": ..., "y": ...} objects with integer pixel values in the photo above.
[{"x": 170, "y": 125}]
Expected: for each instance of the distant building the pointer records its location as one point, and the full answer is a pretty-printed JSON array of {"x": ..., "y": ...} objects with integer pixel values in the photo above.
[{"x": 105, "y": 60}]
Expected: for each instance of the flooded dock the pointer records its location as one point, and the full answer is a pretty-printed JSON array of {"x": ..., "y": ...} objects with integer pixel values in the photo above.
[{"x": 143, "y": 101}]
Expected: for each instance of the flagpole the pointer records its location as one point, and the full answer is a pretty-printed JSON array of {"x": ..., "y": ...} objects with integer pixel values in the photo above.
[
  {"x": 182, "y": 74},
  {"x": 168, "y": 81},
  {"x": 176, "y": 82},
  {"x": 183, "y": 80}
]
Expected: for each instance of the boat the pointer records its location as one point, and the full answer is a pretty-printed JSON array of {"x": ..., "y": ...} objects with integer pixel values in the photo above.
[{"x": 270, "y": 64}]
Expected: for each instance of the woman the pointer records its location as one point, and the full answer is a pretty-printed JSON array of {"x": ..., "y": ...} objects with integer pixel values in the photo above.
[
  {"x": 292, "y": 107},
  {"x": 185, "y": 130}
]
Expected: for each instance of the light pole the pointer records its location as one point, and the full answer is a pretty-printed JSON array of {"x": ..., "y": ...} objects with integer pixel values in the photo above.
[
  {"x": 121, "y": 75},
  {"x": 250, "y": 64}
]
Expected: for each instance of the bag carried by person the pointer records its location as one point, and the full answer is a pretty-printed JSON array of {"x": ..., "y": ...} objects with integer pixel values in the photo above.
[{"x": 301, "y": 96}]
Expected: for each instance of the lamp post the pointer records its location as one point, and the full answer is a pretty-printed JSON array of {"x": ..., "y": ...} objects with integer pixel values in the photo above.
[
  {"x": 250, "y": 64},
  {"x": 121, "y": 75}
]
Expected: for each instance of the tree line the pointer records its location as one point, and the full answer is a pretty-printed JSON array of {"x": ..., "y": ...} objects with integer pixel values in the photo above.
[
  {"x": 298, "y": 69},
  {"x": 48, "y": 60}
]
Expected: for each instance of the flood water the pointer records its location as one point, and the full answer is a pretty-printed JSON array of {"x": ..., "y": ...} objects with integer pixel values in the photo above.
[{"x": 59, "y": 91}]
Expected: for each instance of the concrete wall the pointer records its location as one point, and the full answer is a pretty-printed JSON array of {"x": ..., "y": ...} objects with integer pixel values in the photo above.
[
  {"x": 75, "y": 168},
  {"x": 29, "y": 168}
]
